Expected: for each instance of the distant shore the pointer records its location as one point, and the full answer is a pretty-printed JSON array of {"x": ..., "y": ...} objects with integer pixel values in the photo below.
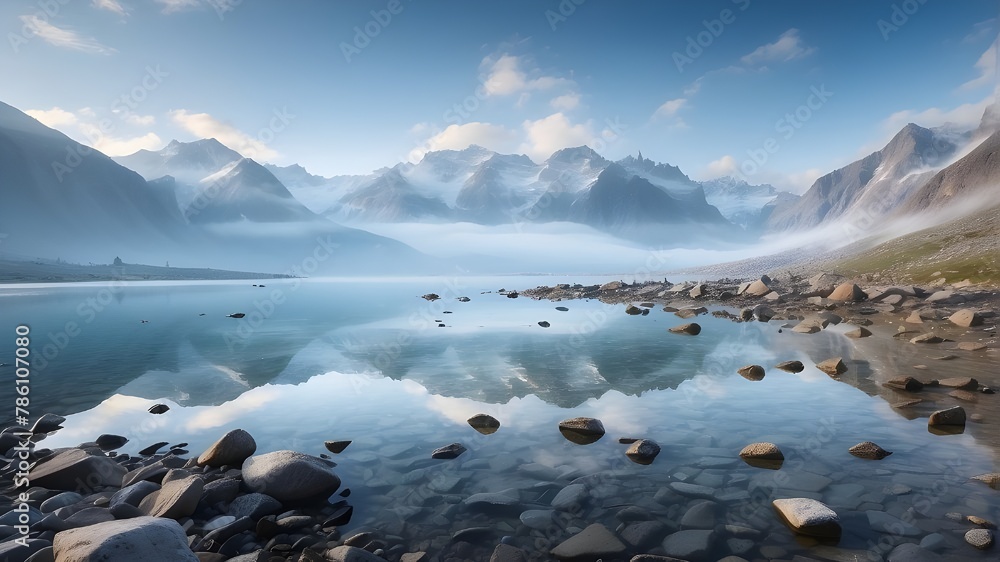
[
  {"x": 887, "y": 321},
  {"x": 46, "y": 271}
]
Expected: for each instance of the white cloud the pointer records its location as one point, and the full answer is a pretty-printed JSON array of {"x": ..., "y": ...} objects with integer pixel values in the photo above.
[
  {"x": 172, "y": 6},
  {"x": 566, "y": 102},
  {"x": 987, "y": 68},
  {"x": 552, "y": 133},
  {"x": 111, "y": 6},
  {"x": 965, "y": 116},
  {"x": 63, "y": 37},
  {"x": 728, "y": 165},
  {"x": 725, "y": 166},
  {"x": 119, "y": 146},
  {"x": 669, "y": 108},
  {"x": 788, "y": 47},
  {"x": 981, "y": 31},
  {"x": 205, "y": 126},
  {"x": 140, "y": 120},
  {"x": 457, "y": 137},
  {"x": 506, "y": 77},
  {"x": 55, "y": 117}
]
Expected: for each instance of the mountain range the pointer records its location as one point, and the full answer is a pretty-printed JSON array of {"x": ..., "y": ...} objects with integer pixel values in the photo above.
[{"x": 203, "y": 194}]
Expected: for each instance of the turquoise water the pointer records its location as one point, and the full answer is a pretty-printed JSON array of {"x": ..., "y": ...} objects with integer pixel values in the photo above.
[{"x": 366, "y": 361}]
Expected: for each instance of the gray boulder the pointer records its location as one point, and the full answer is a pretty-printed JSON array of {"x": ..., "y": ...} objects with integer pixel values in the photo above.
[
  {"x": 290, "y": 476},
  {"x": 66, "y": 470},
  {"x": 592, "y": 543},
  {"x": 808, "y": 517},
  {"x": 128, "y": 540},
  {"x": 176, "y": 499},
  {"x": 231, "y": 449}
]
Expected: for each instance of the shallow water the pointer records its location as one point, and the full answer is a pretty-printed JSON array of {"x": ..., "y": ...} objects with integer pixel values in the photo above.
[{"x": 366, "y": 361}]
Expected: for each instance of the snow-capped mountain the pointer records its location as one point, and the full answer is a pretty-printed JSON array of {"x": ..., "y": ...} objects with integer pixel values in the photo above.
[
  {"x": 312, "y": 190},
  {"x": 480, "y": 186},
  {"x": 245, "y": 191},
  {"x": 742, "y": 202},
  {"x": 187, "y": 162},
  {"x": 871, "y": 187}
]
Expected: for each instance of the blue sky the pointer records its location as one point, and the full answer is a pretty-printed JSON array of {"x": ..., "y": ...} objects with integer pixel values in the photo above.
[{"x": 347, "y": 87}]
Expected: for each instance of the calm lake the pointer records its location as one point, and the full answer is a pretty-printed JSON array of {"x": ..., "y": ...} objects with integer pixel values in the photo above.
[{"x": 366, "y": 360}]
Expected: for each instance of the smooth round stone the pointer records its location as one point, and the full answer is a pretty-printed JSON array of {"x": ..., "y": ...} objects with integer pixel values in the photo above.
[
  {"x": 909, "y": 552},
  {"x": 448, "y": 452},
  {"x": 701, "y": 515},
  {"x": 491, "y": 498},
  {"x": 217, "y": 522},
  {"x": 290, "y": 476},
  {"x": 127, "y": 540},
  {"x": 231, "y": 449},
  {"x": 980, "y": 538},
  {"x": 572, "y": 495},
  {"x": 949, "y": 416},
  {"x": 594, "y": 542},
  {"x": 60, "y": 500},
  {"x": 537, "y": 518},
  {"x": 690, "y": 544},
  {"x": 644, "y": 534},
  {"x": 809, "y": 517}
]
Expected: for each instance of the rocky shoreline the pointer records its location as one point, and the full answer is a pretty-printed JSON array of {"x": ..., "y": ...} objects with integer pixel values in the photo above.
[{"x": 230, "y": 503}]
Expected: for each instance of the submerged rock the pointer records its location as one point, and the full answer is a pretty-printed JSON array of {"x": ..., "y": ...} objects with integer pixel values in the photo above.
[
  {"x": 961, "y": 383},
  {"x": 592, "y": 543},
  {"x": 809, "y": 517},
  {"x": 448, "y": 451}
]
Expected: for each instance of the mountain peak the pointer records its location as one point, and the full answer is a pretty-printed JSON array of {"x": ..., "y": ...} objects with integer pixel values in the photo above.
[{"x": 575, "y": 154}]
